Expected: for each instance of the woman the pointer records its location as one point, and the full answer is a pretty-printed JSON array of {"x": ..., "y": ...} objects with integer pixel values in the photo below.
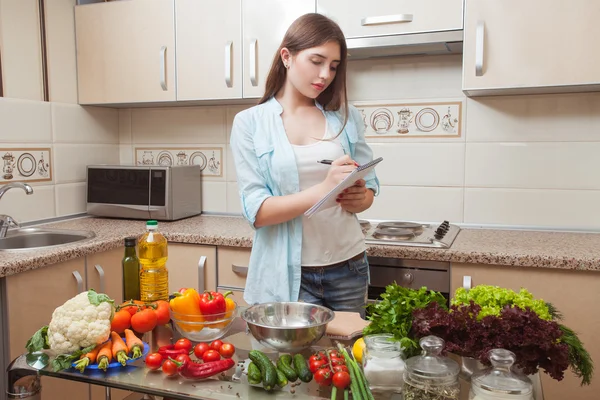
[{"x": 304, "y": 117}]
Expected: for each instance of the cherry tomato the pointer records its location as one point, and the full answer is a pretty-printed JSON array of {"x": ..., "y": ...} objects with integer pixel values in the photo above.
[
  {"x": 169, "y": 368},
  {"x": 120, "y": 321},
  {"x": 334, "y": 353},
  {"x": 338, "y": 368},
  {"x": 316, "y": 364},
  {"x": 162, "y": 312},
  {"x": 216, "y": 345},
  {"x": 153, "y": 361},
  {"x": 227, "y": 350},
  {"x": 341, "y": 380},
  {"x": 183, "y": 344},
  {"x": 337, "y": 361},
  {"x": 323, "y": 377},
  {"x": 182, "y": 358},
  {"x": 182, "y": 290},
  {"x": 133, "y": 306},
  {"x": 200, "y": 349},
  {"x": 211, "y": 355},
  {"x": 144, "y": 321}
]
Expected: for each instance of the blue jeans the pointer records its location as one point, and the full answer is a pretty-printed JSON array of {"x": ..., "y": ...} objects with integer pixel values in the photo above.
[{"x": 341, "y": 287}]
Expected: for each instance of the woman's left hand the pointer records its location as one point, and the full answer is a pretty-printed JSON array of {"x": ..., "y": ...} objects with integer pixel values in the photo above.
[{"x": 354, "y": 197}]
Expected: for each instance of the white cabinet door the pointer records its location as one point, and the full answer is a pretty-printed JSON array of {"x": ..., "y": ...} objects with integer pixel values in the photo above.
[
  {"x": 535, "y": 46},
  {"x": 192, "y": 266},
  {"x": 264, "y": 24},
  {"x": 209, "y": 49},
  {"x": 126, "y": 51},
  {"x": 359, "y": 18}
]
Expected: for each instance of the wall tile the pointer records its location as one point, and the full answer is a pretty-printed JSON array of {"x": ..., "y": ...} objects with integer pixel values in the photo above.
[
  {"x": 230, "y": 174},
  {"x": 25, "y": 121},
  {"x": 231, "y": 112},
  {"x": 559, "y": 117},
  {"x": 577, "y": 209},
  {"x": 234, "y": 205},
  {"x": 544, "y": 165},
  {"x": 179, "y": 125},
  {"x": 125, "y": 126},
  {"x": 70, "y": 160},
  {"x": 70, "y": 198},
  {"x": 72, "y": 123},
  {"x": 214, "y": 196},
  {"x": 126, "y": 155},
  {"x": 419, "y": 164},
  {"x": 25, "y": 208},
  {"x": 425, "y": 204}
]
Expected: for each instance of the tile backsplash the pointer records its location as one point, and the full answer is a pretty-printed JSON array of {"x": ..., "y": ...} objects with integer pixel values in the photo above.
[{"x": 25, "y": 165}]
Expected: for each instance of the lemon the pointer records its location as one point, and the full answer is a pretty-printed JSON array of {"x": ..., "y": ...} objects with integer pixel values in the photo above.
[{"x": 357, "y": 350}]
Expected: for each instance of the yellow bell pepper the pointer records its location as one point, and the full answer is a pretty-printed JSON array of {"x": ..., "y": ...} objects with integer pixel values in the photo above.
[
  {"x": 186, "y": 308},
  {"x": 229, "y": 309}
]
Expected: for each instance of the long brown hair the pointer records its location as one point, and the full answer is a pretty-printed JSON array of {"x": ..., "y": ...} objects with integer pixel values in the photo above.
[{"x": 308, "y": 31}]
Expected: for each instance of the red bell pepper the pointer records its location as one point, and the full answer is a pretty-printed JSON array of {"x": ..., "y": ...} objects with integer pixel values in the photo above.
[{"x": 212, "y": 306}]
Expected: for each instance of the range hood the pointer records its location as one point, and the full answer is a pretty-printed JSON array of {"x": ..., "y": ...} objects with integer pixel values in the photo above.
[{"x": 429, "y": 43}]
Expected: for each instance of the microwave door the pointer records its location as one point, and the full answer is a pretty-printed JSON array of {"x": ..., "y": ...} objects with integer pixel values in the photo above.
[{"x": 158, "y": 191}]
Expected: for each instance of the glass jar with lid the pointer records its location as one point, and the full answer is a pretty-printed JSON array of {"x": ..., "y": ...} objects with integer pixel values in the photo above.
[
  {"x": 383, "y": 362},
  {"x": 500, "y": 382},
  {"x": 430, "y": 376}
]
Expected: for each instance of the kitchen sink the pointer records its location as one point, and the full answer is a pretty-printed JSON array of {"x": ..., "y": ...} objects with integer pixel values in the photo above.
[{"x": 40, "y": 238}]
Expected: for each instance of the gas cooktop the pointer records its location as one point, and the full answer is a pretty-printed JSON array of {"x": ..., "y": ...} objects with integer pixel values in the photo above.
[{"x": 403, "y": 233}]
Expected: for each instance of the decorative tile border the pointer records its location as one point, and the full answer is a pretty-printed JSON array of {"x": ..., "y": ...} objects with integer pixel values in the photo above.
[
  {"x": 25, "y": 165},
  {"x": 391, "y": 119},
  {"x": 210, "y": 159}
]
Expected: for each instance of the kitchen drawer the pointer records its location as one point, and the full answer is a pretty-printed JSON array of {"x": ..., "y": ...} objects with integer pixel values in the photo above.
[
  {"x": 237, "y": 295},
  {"x": 359, "y": 18},
  {"x": 233, "y": 266},
  {"x": 413, "y": 278}
]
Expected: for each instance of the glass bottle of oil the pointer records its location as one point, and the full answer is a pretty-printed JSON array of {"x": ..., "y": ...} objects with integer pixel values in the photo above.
[
  {"x": 131, "y": 271},
  {"x": 154, "y": 277}
]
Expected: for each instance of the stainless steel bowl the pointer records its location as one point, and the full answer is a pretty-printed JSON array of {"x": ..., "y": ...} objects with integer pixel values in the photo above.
[{"x": 287, "y": 327}]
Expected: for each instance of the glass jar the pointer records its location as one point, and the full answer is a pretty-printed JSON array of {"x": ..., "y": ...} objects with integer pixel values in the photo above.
[
  {"x": 431, "y": 376},
  {"x": 500, "y": 382},
  {"x": 383, "y": 362}
]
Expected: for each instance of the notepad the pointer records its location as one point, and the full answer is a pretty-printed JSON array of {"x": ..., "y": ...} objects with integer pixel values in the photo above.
[{"x": 329, "y": 199}]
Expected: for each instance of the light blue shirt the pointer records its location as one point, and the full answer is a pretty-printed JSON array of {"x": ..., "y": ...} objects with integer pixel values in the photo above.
[{"x": 265, "y": 165}]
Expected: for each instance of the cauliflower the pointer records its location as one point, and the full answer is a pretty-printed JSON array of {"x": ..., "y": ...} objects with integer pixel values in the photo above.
[{"x": 82, "y": 321}]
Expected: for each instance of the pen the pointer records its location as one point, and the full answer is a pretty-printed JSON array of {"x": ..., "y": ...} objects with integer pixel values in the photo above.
[{"x": 328, "y": 162}]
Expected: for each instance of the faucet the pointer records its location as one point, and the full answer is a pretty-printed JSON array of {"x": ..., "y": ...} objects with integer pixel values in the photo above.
[{"x": 6, "y": 220}]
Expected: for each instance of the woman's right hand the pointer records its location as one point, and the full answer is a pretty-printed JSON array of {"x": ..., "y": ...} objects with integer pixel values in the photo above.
[{"x": 339, "y": 170}]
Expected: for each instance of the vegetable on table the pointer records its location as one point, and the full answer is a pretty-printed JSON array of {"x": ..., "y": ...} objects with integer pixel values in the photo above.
[
  {"x": 87, "y": 358},
  {"x": 144, "y": 321},
  {"x": 170, "y": 351},
  {"x": 229, "y": 309},
  {"x": 187, "y": 306},
  {"x": 212, "y": 305},
  {"x": 120, "y": 321},
  {"x": 195, "y": 370},
  {"x": 105, "y": 356},
  {"x": 267, "y": 369},
  {"x": 119, "y": 348},
  {"x": 134, "y": 344}
]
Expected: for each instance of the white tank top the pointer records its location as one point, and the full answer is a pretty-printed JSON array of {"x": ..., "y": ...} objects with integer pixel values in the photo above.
[{"x": 331, "y": 235}]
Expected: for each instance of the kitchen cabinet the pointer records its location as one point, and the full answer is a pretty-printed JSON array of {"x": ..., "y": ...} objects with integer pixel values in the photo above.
[
  {"x": 358, "y": 18},
  {"x": 264, "y": 23},
  {"x": 209, "y": 49},
  {"x": 126, "y": 52},
  {"x": 21, "y": 50},
  {"x": 516, "y": 47},
  {"x": 573, "y": 293},
  {"x": 105, "y": 273},
  {"x": 192, "y": 265},
  {"x": 233, "y": 267}
]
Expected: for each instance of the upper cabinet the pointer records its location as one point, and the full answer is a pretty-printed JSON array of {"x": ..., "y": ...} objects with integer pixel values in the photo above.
[
  {"x": 359, "y": 18},
  {"x": 126, "y": 52},
  {"x": 513, "y": 47},
  {"x": 264, "y": 24},
  {"x": 209, "y": 49}
]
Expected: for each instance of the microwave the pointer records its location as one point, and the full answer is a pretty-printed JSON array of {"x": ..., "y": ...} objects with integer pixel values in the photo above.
[{"x": 165, "y": 193}]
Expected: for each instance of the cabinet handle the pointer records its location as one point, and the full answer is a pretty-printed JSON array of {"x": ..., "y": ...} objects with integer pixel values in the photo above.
[
  {"x": 238, "y": 269},
  {"x": 386, "y": 19},
  {"x": 101, "y": 273},
  {"x": 163, "y": 68},
  {"x": 79, "y": 280},
  {"x": 467, "y": 282},
  {"x": 408, "y": 278},
  {"x": 228, "y": 49},
  {"x": 201, "y": 263},
  {"x": 479, "y": 41},
  {"x": 252, "y": 61}
]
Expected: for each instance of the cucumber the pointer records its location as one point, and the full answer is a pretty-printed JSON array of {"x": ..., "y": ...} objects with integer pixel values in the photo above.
[
  {"x": 301, "y": 368},
  {"x": 254, "y": 376},
  {"x": 284, "y": 364},
  {"x": 267, "y": 369},
  {"x": 281, "y": 379}
]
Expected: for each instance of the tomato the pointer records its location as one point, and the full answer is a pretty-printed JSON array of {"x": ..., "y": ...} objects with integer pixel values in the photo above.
[
  {"x": 200, "y": 349},
  {"x": 169, "y": 368},
  {"x": 120, "y": 321},
  {"x": 338, "y": 368},
  {"x": 182, "y": 290},
  {"x": 182, "y": 358},
  {"x": 143, "y": 321},
  {"x": 153, "y": 361},
  {"x": 337, "y": 361},
  {"x": 162, "y": 312},
  {"x": 227, "y": 350},
  {"x": 334, "y": 353},
  {"x": 323, "y": 377},
  {"x": 211, "y": 355},
  {"x": 183, "y": 344},
  {"x": 133, "y": 306},
  {"x": 316, "y": 364},
  {"x": 341, "y": 380},
  {"x": 216, "y": 345}
]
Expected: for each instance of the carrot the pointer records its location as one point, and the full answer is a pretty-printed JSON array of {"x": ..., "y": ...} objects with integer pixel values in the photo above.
[
  {"x": 119, "y": 348},
  {"x": 105, "y": 355},
  {"x": 134, "y": 344},
  {"x": 87, "y": 359}
]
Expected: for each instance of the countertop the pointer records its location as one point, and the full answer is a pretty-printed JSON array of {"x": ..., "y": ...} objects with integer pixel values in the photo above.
[{"x": 540, "y": 249}]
